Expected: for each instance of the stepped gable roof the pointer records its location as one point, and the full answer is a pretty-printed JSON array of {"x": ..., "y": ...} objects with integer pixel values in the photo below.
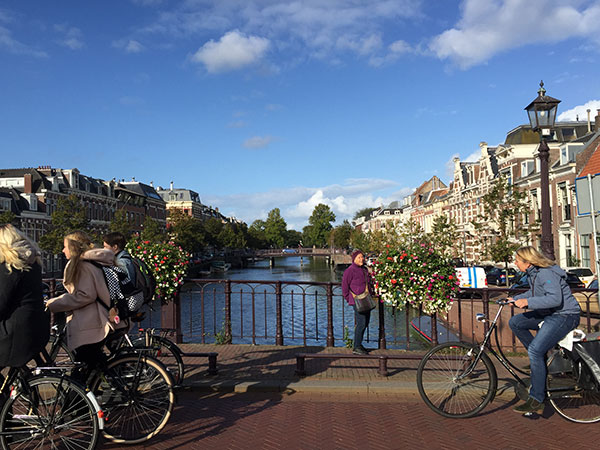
[{"x": 592, "y": 166}]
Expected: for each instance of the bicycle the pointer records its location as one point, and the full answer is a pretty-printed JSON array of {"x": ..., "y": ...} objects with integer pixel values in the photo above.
[
  {"x": 47, "y": 410},
  {"x": 165, "y": 350},
  {"x": 134, "y": 390},
  {"x": 458, "y": 380}
]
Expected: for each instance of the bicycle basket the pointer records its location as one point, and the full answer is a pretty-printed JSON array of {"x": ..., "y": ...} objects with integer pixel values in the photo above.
[{"x": 589, "y": 352}]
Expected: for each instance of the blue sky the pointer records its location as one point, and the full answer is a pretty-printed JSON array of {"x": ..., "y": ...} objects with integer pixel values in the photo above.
[{"x": 257, "y": 104}]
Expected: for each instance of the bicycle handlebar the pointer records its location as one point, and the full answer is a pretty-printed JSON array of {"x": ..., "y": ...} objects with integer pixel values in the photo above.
[{"x": 504, "y": 302}]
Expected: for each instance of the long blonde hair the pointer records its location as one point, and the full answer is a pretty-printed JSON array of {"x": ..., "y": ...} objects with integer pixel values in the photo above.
[
  {"x": 532, "y": 256},
  {"x": 78, "y": 243},
  {"x": 17, "y": 251}
]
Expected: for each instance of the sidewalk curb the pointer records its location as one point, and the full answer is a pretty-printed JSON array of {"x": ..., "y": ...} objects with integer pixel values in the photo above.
[{"x": 306, "y": 386}]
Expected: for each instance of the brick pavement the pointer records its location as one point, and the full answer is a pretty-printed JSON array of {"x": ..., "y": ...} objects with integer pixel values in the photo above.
[
  {"x": 257, "y": 402},
  {"x": 240, "y": 421}
]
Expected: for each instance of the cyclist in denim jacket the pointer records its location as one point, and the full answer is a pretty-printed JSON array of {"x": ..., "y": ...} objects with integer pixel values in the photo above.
[{"x": 550, "y": 301}]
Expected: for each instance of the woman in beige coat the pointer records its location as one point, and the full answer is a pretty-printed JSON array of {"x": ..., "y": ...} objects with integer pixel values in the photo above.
[{"x": 87, "y": 320}]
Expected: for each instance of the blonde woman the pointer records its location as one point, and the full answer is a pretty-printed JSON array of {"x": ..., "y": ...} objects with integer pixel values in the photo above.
[
  {"x": 24, "y": 324},
  {"x": 549, "y": 300},
  {"x": 87, "y": 319}
]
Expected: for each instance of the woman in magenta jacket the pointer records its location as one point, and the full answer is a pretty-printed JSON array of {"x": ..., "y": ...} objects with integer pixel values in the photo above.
[{"x": 356, "y": 278}]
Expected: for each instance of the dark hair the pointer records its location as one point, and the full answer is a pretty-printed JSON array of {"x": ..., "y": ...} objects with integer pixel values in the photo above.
[{"x": 115, "y": 238}]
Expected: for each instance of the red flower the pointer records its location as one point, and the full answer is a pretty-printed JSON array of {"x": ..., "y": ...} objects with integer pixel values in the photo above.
[{"x": 393, "y": 280}]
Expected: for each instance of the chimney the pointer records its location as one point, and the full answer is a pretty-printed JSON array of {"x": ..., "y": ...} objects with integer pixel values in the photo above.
[
  {"x": 28, "y": 184},
  {"x": 171, "y": 185},
  {"x": 152, "y": 184},
  {"x": 598, "y": 120},
  {"x": 132, "y": 178},
  {"x": 589, "y": 122}
]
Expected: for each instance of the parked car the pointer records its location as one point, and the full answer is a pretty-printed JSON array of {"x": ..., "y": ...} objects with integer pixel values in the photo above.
[
  {"x": 572, "y": 280},
  {"x": 585, "y": 274},
  {"x": 497, "y": 276}
]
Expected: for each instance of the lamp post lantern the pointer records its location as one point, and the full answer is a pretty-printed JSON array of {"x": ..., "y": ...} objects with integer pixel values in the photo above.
[{"x": 542, "y": 114}]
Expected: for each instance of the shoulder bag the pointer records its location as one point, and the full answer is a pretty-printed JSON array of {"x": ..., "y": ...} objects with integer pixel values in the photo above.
[{"x": 364, "y": 302}]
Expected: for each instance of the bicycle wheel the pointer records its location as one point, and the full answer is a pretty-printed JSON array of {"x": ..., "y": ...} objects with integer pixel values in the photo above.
[
  {"x": 51, "y": 413},
  {"x": 575, "y": 401},
  {"x": 167, "y": 353},
  {"x": 136, "y": 395},
  {"x": 450, "y": 382}
]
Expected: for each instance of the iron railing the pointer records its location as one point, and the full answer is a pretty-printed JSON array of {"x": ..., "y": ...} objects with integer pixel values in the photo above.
[{"x": 314, "y": 313}]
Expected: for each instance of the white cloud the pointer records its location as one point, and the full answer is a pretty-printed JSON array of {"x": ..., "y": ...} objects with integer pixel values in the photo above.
[
  {"x": 128, "y": 45},
  {"x": 581, "y": 112},
  {"x": 313, "y": 28},
  {"x": 233, "y": 51},
  {"x": 71, "y": 37},
  {"x": 297, "y": 204},
  {"x": 488, "y": 27},
  {"x": 258, "y": 141},
  {"x": 11, "y": 45}
]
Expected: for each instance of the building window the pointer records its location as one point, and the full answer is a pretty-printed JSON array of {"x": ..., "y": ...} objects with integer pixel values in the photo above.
[
  {"x": 585, "y": 250},
  {"x": 563, "y": 195}
]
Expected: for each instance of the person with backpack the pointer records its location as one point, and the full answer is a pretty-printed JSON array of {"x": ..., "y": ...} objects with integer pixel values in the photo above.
[
  {"x": 88, "y": 323},
  {"x": 115, "y": 242},
  {"x": 24, "y": 325}
]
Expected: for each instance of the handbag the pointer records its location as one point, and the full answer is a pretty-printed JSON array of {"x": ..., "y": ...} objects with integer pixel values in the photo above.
[{"x": 364, "y": 302}]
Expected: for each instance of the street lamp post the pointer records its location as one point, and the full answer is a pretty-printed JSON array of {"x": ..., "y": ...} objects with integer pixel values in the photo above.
[{"x": 542, "y": 114}]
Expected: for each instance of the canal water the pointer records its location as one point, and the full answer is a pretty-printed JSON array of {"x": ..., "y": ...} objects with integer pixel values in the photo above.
[{"x": 304, "y": 307}]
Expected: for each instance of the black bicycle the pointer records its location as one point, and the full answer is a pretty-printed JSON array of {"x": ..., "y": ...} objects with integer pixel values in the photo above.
[
  {"x": 134, "y": 390},
  {"x": 458, "y": 379},
  {"x": 47, "y": 410}
]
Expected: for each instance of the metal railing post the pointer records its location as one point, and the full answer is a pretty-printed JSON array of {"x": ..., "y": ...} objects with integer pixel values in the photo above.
[
  {"x": 330, "y": 338},
  {"x": 434, "y": 333},
  {"x": 382, "y": 341},
  {"x": 228, "y": 334},
  {"x": 486, "y": 311},
  {"x": 279, "y": 314}
]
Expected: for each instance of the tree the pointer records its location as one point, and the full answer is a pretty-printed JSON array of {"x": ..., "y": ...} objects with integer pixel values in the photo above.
[
  {"x": 503, "y": 205},
  {"x": 317, "y": 232},
  {"x": 275, "y": 228},
  {"x": 69, "y": 216},
  {"x": 213, "y": 228},
  {"x": 186, "y": 231},
  {"x": 292, "y": 238},
  {"x": 256, "y": 234},
  {"x": 444, "y": 235},
  {"x": 152, "y": 231},
  {"x": 7, "y": 217},
  {"x": 341, "y": 235},
  {"x": 120, "y": 224}
]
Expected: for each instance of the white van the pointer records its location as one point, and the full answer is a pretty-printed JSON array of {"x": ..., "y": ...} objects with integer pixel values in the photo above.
[
  {"x": 585, "y": 274},
  {"x": 471, "y": 277}
]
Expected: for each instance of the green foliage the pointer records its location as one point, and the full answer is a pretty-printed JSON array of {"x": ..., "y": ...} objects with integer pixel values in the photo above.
[
  {"x": 317, "y": 232},
  {"x": 120, "y": 224},
  {"x": 256, "y": 234},
  {"x": 222, "y": 337},
  {"x": 348, "y": 341},
  {"x": 503, "y": 206},
  {"x": 213, "y": 228},
  {"x": 7, "y": 217},
  {"x": 152, "y": 231},
  {"x": 573, "y": 262},
  {"x": 275, "y": 229},
  {"x": 341, "y": 235},
  {"x": 444, "y": 235},
  {"x": 292, "y": 238},
  {"x": 186, "y": 231},
  {"x": 69, "y": 216}
]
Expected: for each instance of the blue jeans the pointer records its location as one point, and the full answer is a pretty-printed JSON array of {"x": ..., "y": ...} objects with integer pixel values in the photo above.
[
  {"x": 555, "y": 327},
  {"x": 362, "y": 322}
]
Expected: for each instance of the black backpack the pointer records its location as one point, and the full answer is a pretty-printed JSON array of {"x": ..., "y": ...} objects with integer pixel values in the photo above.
[
  {"x": 144, "y": 279},
  {"x": 125, "y": 298}
]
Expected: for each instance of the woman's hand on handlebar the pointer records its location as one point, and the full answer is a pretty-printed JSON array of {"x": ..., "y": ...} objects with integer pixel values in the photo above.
[{"x": 520, "y": 303}]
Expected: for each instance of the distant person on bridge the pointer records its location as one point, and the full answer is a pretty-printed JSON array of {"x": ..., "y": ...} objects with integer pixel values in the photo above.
[{"x": 355, "y": 280}]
